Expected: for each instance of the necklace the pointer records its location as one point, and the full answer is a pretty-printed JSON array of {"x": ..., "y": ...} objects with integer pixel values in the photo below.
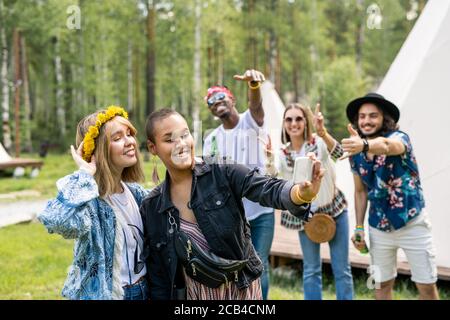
[{"x": 290, "y": 154}]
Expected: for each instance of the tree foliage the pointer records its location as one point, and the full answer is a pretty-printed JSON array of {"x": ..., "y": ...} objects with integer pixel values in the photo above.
[{"x": 316, "y": 50}]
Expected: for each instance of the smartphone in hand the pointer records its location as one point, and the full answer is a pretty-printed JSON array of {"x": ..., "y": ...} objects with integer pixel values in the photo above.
[{"x": 302, "y": 169}]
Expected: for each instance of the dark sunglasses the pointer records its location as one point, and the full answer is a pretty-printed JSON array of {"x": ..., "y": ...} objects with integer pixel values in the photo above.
[
  {"x": 217, "y": 97},
  {"x": 297, "y": 119},
  {"x": 139, "y": 261}
]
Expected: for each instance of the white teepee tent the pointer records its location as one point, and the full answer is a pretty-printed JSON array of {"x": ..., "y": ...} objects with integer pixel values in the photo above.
[
  {"x": 273, "y": 113},
  {"x": 418, "y": 83},
  {"x": 4, "y": 156}
]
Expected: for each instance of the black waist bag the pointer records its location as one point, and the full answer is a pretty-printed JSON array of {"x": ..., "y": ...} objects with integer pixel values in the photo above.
[{"x": 206, "y": 267}]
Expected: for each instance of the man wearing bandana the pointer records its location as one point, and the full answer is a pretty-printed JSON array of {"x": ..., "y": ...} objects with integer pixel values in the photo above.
[{"x": 237, "y": 140}]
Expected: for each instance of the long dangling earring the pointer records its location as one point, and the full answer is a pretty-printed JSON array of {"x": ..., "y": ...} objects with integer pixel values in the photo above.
[
  {"x": 305, "y": 133},
  {"x": 284, "y": 136},
  {"x": 155, "y": 176}
]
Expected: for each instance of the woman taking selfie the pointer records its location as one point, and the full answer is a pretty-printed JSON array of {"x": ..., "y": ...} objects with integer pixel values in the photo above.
[{"x": 197, "y": 237}]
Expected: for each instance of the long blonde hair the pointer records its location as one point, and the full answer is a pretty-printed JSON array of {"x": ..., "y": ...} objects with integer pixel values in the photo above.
[
  {"x": 285, "y": 138},
  {"x": 105, "y": 171}
]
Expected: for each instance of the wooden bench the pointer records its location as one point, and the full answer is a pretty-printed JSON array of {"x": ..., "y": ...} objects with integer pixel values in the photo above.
[
  {"x": 8, "y": 162},
  {"x": 19, "y": 162},
  {"x": 286, "y": 248}
]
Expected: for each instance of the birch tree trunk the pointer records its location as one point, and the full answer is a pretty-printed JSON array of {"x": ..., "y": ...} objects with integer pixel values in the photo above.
[
  {"x": 130, "y": 106},
  {"x": 359, "y": 34},
  {"x": 7, "y": 142},
  {"x": 272, "y": 56},
  {"x": 76, "y": 104},
  {"x": 26, "y": 120},
  {"x": 278, "y": 68},
  {"x": 60, "y": 112},
  {"x": 17, "y": 85},
  {"x": 137, "y": 84},
  {"x": 83, "y": 96},
  {"x": 252, "y": 57},
  {"x": 151, "y": 65},
  {"x": 197, "y": 78},
  {"x": 210, "y": 66},
  {"x": 46, "y": 90},
  {"x": 295, "y": 59},
  {"x": 220, "y": 60},
  {"x": 270, "y": 48}
]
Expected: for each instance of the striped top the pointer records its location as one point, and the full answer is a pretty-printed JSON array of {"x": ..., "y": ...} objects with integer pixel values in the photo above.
[{"x": 198, "y": 291}]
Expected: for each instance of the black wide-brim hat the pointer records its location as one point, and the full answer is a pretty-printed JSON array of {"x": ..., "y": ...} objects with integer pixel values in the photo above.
[{"x": 376, "y": 99}]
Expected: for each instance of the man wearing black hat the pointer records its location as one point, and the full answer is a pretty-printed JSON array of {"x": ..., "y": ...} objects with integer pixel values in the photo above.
[{"x": 385, "y": 172}]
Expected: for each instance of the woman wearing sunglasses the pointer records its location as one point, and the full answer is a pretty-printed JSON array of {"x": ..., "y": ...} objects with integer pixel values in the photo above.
[
  {"x": 298, "y": 140},
  {"x": 98, "y": 206}
]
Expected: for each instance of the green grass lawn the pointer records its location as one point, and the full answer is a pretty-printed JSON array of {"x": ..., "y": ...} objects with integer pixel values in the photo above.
[
  {"x": 286, "y": 284},
  {"x": 34, "y": 264},
  {"x": 55, "y": 166}
]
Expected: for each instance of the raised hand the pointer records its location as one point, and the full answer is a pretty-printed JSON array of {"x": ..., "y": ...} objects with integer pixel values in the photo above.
[
  {"x": 89, "y": 167},
  {"x": 352, "y": 145},
  {"x": 318, "y": 121},
  {"x": 250, "y": 75}
]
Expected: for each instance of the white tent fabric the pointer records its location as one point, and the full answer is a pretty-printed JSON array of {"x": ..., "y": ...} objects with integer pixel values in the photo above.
[
  {"x": 418, "y": 83},
  {"x": 4, "y": 156},
  {"x": 273, "y": 113}
]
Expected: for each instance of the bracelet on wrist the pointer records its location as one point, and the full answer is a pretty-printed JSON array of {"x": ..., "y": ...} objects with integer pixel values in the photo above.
[
  {"x": 365, "y": 145},
  {"x": 322, "y": 133},
  {"x": 258, "y": 84},
  {"x": 303, "y": 200}
]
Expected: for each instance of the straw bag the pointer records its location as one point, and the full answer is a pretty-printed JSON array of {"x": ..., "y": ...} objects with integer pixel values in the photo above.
[{"x": 320, "y": 228}]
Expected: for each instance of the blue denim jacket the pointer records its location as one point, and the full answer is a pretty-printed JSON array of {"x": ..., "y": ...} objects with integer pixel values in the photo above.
[{"x": 79, "y": 213}]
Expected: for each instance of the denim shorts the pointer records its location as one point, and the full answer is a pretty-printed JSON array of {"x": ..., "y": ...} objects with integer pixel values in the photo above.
[{"x": 137, "y": 291}]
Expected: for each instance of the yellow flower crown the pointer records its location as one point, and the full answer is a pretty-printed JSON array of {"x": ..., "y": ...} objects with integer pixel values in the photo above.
[{"x": 94, "y": 131}]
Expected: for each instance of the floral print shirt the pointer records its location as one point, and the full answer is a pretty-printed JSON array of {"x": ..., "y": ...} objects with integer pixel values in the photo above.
[{"x": 393, "y": 183}]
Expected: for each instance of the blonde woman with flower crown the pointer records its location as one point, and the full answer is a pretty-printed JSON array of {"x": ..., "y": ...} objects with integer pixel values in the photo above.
[{"x": 98, "y": 206}]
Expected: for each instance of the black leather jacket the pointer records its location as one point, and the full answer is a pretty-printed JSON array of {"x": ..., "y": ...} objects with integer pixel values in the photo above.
[{"x": 217, "y": 192}]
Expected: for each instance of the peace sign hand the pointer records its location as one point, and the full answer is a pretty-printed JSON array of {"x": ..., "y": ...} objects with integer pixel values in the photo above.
[
  {"x": 267, "y": 147},
  {"x": 319, "y": 121}
]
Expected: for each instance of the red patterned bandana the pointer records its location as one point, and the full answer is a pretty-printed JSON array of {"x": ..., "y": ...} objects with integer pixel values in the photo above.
[{"x": 215, "y": 89}]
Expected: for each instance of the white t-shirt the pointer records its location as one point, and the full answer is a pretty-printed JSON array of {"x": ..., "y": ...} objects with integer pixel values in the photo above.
[
  {"x": 125, "y": 205},
  {"x": 240, "y": 145}
]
